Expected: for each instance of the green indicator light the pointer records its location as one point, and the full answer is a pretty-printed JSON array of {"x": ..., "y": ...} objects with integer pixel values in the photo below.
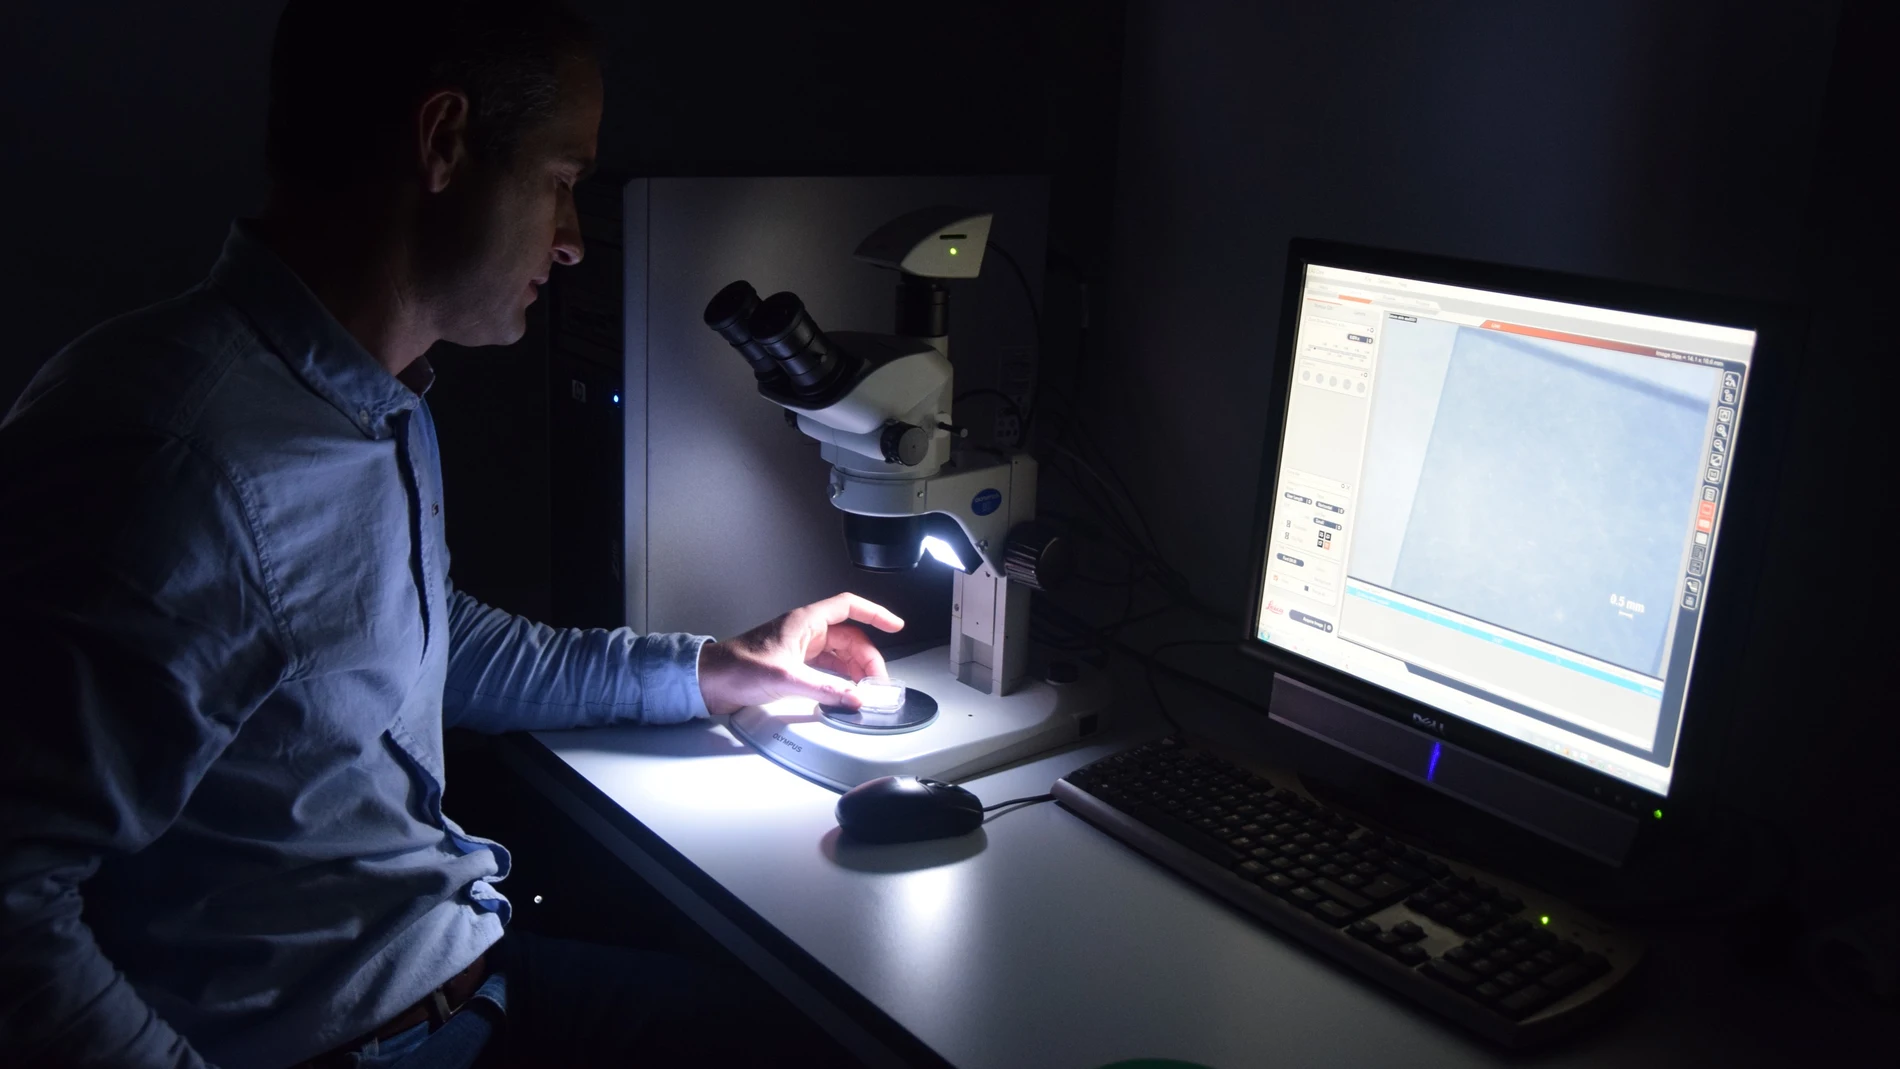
[
  {"x": 953, "y": 250},
  {"x": 1658, "y": 814},
  {"x": 1545, "y": 918}
]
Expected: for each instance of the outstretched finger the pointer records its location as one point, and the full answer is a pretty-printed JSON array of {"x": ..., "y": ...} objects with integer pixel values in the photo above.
[
  {"x": 848, "y": 651},
  {"x": 804, "y": 681},
  {"x": 841, "y": 607}
]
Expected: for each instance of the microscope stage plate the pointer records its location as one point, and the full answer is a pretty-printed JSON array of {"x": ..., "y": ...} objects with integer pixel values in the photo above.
[{"x": 973, "y": 732}]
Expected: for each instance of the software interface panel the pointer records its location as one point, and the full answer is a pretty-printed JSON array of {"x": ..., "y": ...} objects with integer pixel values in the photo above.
[{"x": 1505, "y": 507}]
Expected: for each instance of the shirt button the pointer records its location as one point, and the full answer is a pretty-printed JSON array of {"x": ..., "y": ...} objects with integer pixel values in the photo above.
[
  {"x": 435, "y": 508},
  {"x": 362, "y": 415}
]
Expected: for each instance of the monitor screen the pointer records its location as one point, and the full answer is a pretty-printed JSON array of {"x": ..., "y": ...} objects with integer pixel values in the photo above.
[{"x": 1504, "y": 507}]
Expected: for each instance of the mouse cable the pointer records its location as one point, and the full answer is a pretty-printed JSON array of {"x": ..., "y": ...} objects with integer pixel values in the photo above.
[{"x": 1020, "y": 801}]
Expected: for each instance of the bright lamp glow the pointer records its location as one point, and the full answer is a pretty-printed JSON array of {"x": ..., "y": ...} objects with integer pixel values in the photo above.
[{"x": 941, "y": 550}]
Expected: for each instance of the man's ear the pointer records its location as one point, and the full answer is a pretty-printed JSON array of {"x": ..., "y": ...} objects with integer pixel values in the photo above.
[{"x": 442, "y": 137}]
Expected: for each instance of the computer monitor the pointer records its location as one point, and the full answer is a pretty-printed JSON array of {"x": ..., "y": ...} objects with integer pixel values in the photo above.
[{"x": 1505, "y": 525}]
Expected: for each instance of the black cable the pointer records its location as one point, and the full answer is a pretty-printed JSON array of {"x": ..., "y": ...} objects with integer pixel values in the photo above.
[
  {"x": 987, "y": 392},
  {"x": 1035, "y": 319},
  {"x": 1029, "y": 295},
  {"x": 1020, "y": 801}
]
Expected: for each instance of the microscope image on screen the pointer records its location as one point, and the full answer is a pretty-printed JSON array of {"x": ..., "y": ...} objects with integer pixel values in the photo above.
[{"x": 1498, "y": 466}]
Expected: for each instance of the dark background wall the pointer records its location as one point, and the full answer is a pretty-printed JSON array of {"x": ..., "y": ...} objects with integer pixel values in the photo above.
[{"x": 1695, "y": 144}]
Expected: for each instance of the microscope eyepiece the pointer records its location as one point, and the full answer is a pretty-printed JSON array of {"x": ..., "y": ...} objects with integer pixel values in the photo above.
[
  {"x": 729, "y": 313},
  {"x": 783, "y": 328}
]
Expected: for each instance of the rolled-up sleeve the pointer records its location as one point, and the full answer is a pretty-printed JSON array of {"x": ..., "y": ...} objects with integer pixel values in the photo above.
[
  {"x": 137, "y": 634},
  {"x": 507, "y": 673}
]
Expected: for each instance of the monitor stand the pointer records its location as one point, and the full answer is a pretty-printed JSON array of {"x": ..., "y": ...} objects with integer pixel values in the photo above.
[{"x": 1597, "y": 831}]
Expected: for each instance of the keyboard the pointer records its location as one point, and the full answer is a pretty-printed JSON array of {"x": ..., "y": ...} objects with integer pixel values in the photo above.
[{"x": 1507, "y": 961}]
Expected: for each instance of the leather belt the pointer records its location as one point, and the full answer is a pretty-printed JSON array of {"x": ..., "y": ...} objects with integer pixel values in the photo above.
[{"x": 435, "y": 1007}]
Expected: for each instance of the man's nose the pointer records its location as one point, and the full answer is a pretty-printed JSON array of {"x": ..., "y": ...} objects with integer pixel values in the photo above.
[{"x": 568, "y": 247}]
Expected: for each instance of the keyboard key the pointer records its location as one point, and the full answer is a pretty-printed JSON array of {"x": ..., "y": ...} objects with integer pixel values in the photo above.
[
  {"x": 1485, "y": 967},
  {"x": 1280, "y": 883},
  {"x": 1251, "y": 869},
  {"x": 1566, "y": 978},
  {"x": 1446, "y": 973},
  {"x": 1408, "y": 873},
  {"x": 1412, "y": 954},
  {"x": 1306, "y": 896},
  {"x": 1488, "y": 992},
  {"x": 1363, "y": 930},
  {"x": 1525, "y": 1001},
  {"x": 1353, "y": 880},
  {"x": 1303, "y": 874},
  {"x": 1344, "y": 896},
  {"x": 1408, "y": 930},
  {"x": 1510, "y": 903},
  {"x": 1510, "y": 979},
  {"x": 1460, "y": 956},
  {"x": 1384, "y": 888},
  {"x": 1332, "y": 911}
]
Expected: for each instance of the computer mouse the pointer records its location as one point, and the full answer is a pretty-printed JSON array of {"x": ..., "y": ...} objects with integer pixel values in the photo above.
[{"x": 903, "y": 809}]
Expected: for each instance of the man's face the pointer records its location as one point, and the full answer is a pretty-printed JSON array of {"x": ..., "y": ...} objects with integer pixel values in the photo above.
[{"x": 489, "y": 240}]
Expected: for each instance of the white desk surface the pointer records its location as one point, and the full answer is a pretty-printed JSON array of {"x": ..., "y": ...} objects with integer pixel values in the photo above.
[{"x": 1040, "y": 943}]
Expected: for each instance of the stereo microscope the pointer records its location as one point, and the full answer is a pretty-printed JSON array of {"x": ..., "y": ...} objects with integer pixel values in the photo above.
[{"x": 879, "y": 405}]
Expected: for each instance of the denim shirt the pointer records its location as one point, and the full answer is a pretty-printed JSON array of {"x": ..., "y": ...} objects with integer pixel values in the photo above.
[{"x": 228, "y": 649}]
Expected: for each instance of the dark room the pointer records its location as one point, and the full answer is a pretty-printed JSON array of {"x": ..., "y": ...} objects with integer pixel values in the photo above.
[{"x": 502, "y": 565}]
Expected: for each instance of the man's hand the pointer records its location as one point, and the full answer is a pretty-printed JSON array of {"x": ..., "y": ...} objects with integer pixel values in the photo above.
[{"x": 789, "y": 657}]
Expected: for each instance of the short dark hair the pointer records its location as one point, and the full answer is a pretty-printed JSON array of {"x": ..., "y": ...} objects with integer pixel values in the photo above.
[{"x": 346, "y": 76}]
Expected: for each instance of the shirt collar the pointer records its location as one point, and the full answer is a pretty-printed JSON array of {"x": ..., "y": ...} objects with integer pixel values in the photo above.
[{"x": 309, "y": 339}]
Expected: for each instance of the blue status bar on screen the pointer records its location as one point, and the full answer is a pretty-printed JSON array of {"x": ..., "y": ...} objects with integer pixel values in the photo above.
[{"x": 1505, "y": 641}]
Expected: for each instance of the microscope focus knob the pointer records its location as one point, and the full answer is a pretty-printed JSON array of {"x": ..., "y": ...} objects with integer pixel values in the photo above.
[
  {"x": 1036, "y": 556},
  {"x": 905, "y": 444}
]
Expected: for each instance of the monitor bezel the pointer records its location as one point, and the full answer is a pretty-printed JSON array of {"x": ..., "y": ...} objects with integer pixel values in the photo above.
[{"x": 1746, "y": 513}]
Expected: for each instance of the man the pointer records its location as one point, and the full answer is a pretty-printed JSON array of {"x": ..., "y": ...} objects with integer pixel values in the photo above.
[{"x": 227, "y": 633}]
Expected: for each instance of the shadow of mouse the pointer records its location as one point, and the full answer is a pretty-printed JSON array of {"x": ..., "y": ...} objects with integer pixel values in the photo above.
[{"x": 844, "y": 851}]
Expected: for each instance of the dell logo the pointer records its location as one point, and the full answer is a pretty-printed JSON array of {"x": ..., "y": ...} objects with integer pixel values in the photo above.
[
  {"x": 1426, "y": 722},
  {"x": 796, "y": 748}
]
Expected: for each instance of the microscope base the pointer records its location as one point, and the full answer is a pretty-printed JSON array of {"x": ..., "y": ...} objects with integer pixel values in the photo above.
[{"x": 973, "y": 732}]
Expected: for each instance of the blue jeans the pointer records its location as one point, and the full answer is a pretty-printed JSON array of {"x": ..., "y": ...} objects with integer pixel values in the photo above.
[{"x": 561, "y": 1002}]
